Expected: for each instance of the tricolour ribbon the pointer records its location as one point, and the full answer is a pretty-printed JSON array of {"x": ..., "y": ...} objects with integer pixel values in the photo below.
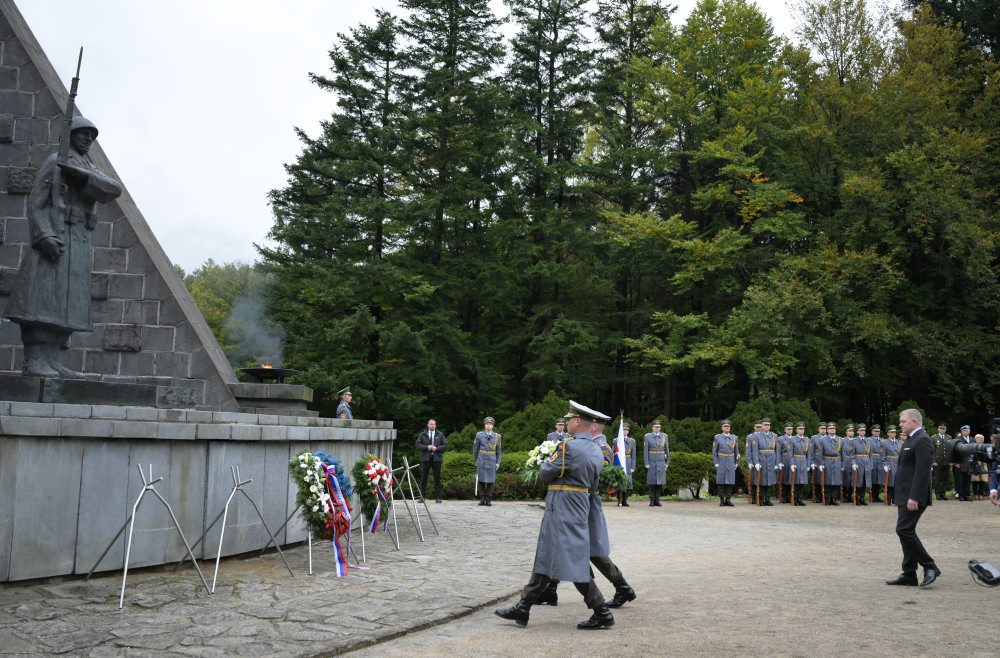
[{"x": 340, "y": 520}]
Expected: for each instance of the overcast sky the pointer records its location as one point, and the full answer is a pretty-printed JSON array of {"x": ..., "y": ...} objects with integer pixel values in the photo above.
[{"x": 196, "y": 101}]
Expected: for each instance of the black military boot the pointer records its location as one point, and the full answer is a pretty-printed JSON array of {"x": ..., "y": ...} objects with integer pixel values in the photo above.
[
  {"x": 659, "y": 488},
  {"x": 518, "y": 612},
  {"x": 798, "y": 496},
  {"x": 602, "y": 618},
  {"x": 624, "y": 499},
  {"x": 623, "y": 594},
  {"x": 861, "y": 499},
  {"x": 831, "y": 496},
  {"x": 549, "y": 595},
  {"x": 489, "y": 495}
]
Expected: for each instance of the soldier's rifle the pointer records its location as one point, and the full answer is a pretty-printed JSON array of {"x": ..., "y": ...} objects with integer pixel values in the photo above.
[
  {"x": 854, "y": 486},
  {"x": 758, "y": 485},
  {"x": 62, "y": 158},
  {"x": 791, "y": 482},
  {"x": 886, "y": 492},
  {"x": 822, "y": 479}
]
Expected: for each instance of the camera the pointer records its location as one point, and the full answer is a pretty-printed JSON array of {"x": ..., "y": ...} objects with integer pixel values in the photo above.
[
  {"x": 959, "y": 451},
  {"x": 985, "y": 573}
]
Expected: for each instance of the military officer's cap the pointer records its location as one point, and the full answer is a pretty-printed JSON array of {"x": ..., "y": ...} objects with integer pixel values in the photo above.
[
  {"x": 890, "y": 428},
  {"x": 758, "y": 422},
  {"x": 942, "y": 426},
  {"x": 822, "y": 424},
  {"x": 862, "y": 426},
  {"x": 800, "y": 424},
  {"x": 876, "y": 427},
  {"x": 561, "y": 420},
  {"x": 831, "y": 424},
  {"x": 656, "y": 422},
  {"x": 765, "y": 419},
  {"x": 489, "y": 419},
  {"x": 787, "y": 425},
  {"x": 726, "y": 422},
  {"x": 850, "y": 426},
  {"x": 577, "y": 410},
  {"x": 626, "y": 426},
  {"x": 965, "y": 427},
  {"x": 81, "y": 123},
  {"x": 344, "y": 391}
]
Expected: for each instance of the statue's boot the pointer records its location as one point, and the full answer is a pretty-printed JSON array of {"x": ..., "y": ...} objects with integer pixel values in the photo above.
[
  {"x": 63, "y": 371},
  {"x": 36, "y": 363}
]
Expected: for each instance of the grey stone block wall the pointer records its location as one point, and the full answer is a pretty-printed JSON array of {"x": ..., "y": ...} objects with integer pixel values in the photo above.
[{"x": 145, "y": 322}]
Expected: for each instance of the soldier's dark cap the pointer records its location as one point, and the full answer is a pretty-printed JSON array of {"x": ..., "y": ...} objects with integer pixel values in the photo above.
[
  {"x": 831, "y": 424},
  {"x": 942, "y": 426},
  {"x": 788, "y": 425},
  {"x": 965, "y": 427},
  {"x": 726, "y": 422},
  {"x": 822, "y": 424},
  {"x": 890, "y": 428},
  {"x": 344, "y": 391},
  {"x": 876, "y": 427},
  {"x": 850, "y": 426},
  {"x": 577, "y": 410},
  {"x": 626, "y": 426},
  {"x": 862, "y": 426},
  {"x": 489, "y": 419},
  {"x": 765, "y": 419},
  {"x": 561, "y": 420},
  {"x": 655, "y": 423},
  {"x": 758, "y": 422},
  {"x": 800, "y": 424}
]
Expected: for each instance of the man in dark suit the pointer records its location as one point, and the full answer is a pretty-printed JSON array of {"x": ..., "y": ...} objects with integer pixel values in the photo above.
[
  {"x": 431, "y": 443},
  {"x": 913, "y": 496}
]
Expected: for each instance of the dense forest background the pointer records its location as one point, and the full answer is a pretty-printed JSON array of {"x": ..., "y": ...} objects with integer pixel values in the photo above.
[{"x": 686, "y": 220}]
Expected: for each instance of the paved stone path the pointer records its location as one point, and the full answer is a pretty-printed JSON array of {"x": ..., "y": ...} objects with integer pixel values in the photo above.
[{"x": 711, "y": 581}]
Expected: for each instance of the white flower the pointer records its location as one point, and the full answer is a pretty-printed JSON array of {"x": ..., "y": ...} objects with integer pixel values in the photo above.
[
  {"x": 315, "y": 508},
  {"x": 313, "y": 488}
]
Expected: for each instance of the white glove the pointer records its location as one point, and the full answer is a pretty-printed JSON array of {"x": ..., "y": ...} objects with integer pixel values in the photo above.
[
  {"x": 854, "y": 467},
  {"x": 821, "y": 467},
  {"x": 757, "y": 466},
  {"x": 498, "y": 467},
  {"x": 717, "y": 466},
  {"x": 793, "y": 467},
  {"x": 812, "y": 467},
  {"x": 885, "y": 468},
  {"x": 778, "y": 467}
]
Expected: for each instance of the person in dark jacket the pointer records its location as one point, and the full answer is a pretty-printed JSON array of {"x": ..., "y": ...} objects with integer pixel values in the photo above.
[
  {"x": 913, "y": 496},
  {"x": 432, "y": 444}
]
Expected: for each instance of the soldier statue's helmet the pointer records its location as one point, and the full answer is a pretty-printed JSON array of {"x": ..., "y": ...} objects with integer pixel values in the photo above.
[
  {"x": 800, "y": 424},
  {"x": 726, "y": 423},
  {"x": 577, "y": 410},
  {"x": 489, "y": 419},
  {"x": 344, "y": 391},
  {"x": 83, "y": 123}
]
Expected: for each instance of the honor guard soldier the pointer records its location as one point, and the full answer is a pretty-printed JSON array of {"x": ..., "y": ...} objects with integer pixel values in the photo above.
[
  {"x": 829, "y": 457},
  {"x": 564, "y": 545},
  {"x": 344, "y": 408},
  {"x": 878, "y": 460},
  {"x": 813, "y": 447},
  {"x": 487, "y": 453},
  {"x": 785, "y": 463},
  {"x": 765, "y": 459},
  {"x": 890, "y": 450},
  {"x": 799, "y": 447},
  {"x": 725, "y": 454},
  {"x": 862, "y": 464},
  {"x": 629, "y": 462},
  {"x": 847, "y": 482},
  {"x": 657, "y": 459},
  {"x": 560, "y": 432},
  {"x": 752, "y": 482},
  {"x": 963, "y": 469},
  {"x": 940, "y": 468}
]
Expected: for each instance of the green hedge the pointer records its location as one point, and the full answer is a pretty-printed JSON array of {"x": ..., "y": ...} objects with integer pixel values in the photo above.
[{"x": 689, "y": 470}]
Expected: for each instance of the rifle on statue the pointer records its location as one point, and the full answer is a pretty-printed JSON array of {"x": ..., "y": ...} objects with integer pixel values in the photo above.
[{"x": 58, "y": 209}]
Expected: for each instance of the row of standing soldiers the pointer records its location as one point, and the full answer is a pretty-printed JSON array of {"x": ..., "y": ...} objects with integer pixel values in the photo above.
[{"x": 847, "y": 467}]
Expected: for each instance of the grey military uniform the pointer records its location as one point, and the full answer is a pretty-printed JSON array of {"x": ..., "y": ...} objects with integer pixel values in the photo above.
[
  {"x": 563, "y": 549},
  {"x": 554, "y": 436},
  {"x": 487, "y": 453},
  {"x": 863, "y": 460},
  {"x": 800, "y": 447},
  {"x": 656, "y": 452},
  {"x": 765, "y": 449},
  {"x": 725, "y": 454},
  {"x": 830, "y": 455}
]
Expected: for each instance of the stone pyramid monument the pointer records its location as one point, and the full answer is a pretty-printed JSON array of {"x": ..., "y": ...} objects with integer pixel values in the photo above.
[{"x": 148, "y": 333}]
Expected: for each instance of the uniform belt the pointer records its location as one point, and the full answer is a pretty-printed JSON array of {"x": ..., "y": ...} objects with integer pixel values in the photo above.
[
  {"x": 725, "y": 454},
  {"x": 831, "y": 456},
  {"x": 766, "y": 450},
  {"x": 488, "y": 452},
  {"x": 656, "y": 452},
  {"x": 568, "y": 487},
  {"x": 797, "y": 455},
  {"x": 891, "y": 457}
]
